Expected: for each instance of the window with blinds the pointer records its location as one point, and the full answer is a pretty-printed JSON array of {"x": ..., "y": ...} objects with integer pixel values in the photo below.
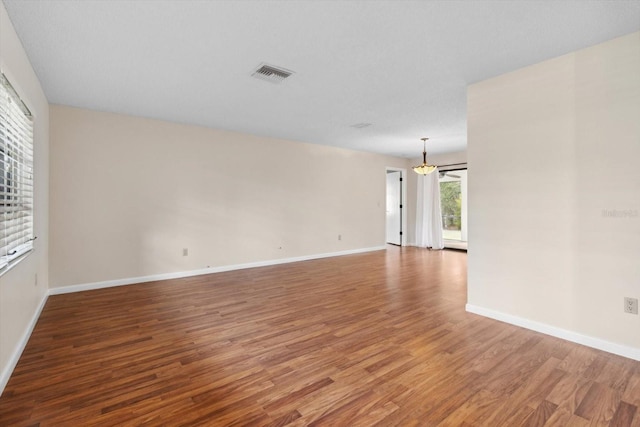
[{"x": 16, "y": 176}]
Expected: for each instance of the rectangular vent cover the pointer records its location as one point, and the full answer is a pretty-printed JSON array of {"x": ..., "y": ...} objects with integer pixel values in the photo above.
[
  {"x": 361, "y": 125},
  {"x": 271, "y": 74}
]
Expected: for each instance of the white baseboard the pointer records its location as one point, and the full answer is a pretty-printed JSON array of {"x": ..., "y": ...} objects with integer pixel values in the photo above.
[
  {"x": 600, "y": 344},
  {"x": 181, "y": 274},
  {"x": 17, "y": 351}
]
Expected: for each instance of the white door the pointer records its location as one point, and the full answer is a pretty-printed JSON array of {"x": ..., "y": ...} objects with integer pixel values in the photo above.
[{"x": 394, "y": 203}]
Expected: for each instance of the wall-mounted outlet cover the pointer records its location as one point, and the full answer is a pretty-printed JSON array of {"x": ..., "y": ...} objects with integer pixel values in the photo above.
[{"x": 631, "y": 305}]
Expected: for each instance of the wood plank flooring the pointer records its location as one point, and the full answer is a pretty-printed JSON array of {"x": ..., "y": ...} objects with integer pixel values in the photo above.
[{"x": 375, "y": 339}]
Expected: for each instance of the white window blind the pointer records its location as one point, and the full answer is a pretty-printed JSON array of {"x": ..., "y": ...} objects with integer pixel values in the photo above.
[{"x": 16, "y": 176}]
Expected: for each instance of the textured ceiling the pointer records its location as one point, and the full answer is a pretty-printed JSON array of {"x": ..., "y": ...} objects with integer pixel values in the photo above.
[{"x": 402, "y": 66}]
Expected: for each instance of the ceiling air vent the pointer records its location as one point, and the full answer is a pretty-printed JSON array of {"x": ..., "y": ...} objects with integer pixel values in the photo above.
[
  {"x": 271, "y": 74},
  {"x": 361, "y": 125}
]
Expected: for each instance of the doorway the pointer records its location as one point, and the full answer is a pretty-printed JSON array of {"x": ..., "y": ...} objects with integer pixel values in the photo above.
[
  {"x": 395, "y": 210},
  {"x": 453, "y": 202}
]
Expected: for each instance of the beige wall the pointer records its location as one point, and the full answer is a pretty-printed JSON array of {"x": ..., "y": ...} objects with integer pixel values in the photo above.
[
  {"x": 550, "y": 147},
  {"x": 131, "y": 193},
  {"x": 19, "y": 295},
  {"x": 443, "y": 159}
]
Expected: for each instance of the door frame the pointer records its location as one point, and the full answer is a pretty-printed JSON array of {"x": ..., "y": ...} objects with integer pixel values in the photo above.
[{"x": 403, "y": 197}]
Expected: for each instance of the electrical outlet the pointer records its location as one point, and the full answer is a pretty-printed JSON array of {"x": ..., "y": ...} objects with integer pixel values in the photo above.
[
  {"x": 185, "y": 252},
  {"x": 339, "y": 236},
  {"x": 631, "y": 305}
]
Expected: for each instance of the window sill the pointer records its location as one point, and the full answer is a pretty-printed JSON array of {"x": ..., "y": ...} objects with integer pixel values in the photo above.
[{"x": 17, "y": 259}]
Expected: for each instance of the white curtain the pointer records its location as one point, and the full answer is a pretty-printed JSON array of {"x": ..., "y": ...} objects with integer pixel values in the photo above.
[{"x": 428, "y": 215}]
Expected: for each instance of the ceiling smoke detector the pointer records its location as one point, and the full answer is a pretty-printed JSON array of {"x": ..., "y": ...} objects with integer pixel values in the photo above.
[{"x": 271, "y": 74}]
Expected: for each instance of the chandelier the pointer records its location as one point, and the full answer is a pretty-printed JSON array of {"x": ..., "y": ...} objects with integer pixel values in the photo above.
[{"x": 424, "y": 168}]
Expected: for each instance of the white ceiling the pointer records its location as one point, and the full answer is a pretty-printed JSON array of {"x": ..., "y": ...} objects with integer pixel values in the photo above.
[{"x": 402, "y": 66}]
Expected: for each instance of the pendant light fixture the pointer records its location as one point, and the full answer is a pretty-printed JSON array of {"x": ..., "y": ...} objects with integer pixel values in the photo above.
[{"x": 424, "y": 168}]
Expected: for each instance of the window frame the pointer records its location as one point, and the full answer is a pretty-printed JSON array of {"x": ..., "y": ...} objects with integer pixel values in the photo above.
[{"x": 16, "y": 177}]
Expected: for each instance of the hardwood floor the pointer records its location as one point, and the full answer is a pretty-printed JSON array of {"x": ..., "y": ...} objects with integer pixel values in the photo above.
[{"x": 376, "y": 339}]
